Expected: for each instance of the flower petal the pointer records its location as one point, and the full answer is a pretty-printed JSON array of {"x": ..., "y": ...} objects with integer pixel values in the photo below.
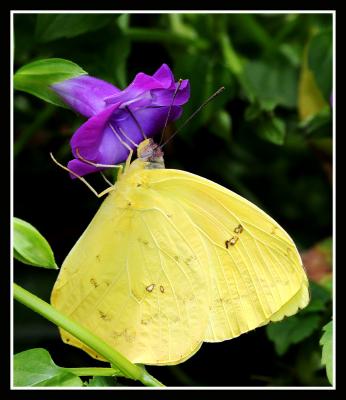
[
  {"x": 164, "y": 97},
  {"x": 162, "y": 79},
  {"x": 165, "y": 76},
  {"x": 140, "y": 84},
  {"x": 151, "y": 120},
  {"x": 88, "y": 136},
  {"x": 85, "y": 94},
  {"x": 111, "y": 150}
]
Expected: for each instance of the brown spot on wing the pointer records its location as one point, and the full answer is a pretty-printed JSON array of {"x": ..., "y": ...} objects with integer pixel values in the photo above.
[
  {"x": 238, "y": 229},
  {"x": 104, "y": 316},
  {"x": 94, "y": 283},
  {"x": 231, "y": 242},
  {"x": 150, "y": 288}
]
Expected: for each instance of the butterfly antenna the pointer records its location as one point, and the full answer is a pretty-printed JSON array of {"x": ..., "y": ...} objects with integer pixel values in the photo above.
[
  {"x": 222, "y": 88},
  {"x": 169, "y": 110}
]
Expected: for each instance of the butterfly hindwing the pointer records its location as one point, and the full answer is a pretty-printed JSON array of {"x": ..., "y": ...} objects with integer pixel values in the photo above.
[{"x": 135, "y": 279}]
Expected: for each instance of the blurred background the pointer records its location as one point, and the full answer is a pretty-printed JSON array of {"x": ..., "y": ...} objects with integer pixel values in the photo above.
[{"x": 268, "y": 137}]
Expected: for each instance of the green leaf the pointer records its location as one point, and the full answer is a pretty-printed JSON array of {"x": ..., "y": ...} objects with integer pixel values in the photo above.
[
  {"x": 320, "y": 297},
  {"x": 35, "y": 367},
  {"x": 320, "y": 61},
  {"x": 100, "y": 381},
  {"x": 272, "y": 129},
  {"x": 36, "y": 77},
  {"x": 30, "y": 247},
  {"x": 273, "y": 84},
  {"x": 317, "y": 123},
  {"x": 327, "y": 349},
  {"x": 252, "y": 112},
  {"x": 310, "y": 97},
  {"x": 56, "y": 26},
  {"x": 292, "y": 330},
  {"x": 221, "y": 125}
]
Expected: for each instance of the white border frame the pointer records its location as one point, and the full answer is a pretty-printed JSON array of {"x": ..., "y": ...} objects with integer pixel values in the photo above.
[{"x": 333, "y": 12}]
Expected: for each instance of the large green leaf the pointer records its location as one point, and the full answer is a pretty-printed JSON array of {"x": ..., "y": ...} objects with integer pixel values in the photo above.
[
  {"x": 35, "y": 367},
  {"x": 327, "y": 349},
  {"x": 56, "y": 26},
  {"x": 310, "y": 97},
  {"x": 273, "y": 84},
  {"x": 320, "y": 61},
  {"x": 30, "y": 247},
  {"x": 292, "y": 330},
  {"x": 37, "y": 77}
]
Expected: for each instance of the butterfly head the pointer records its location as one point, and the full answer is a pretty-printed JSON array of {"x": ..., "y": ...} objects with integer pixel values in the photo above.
[{"x": 151, "y": 152}]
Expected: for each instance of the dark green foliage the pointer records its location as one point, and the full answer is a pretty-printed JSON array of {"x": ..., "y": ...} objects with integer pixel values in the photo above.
[
  {"x": 295, "y": 329},
  {"x": 320, "y": 61}
]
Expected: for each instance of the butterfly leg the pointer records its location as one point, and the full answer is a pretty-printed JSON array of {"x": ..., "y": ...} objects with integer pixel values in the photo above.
[
  {"x": 105, "y": 178},
  {"x": 128, "y": 161},
  {"x": 97, "y": 165},
  {"x": 109, "y": 189},
  {"x": 100, "y": 166}
]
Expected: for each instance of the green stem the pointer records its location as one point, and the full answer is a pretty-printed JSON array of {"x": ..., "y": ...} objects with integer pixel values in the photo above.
[
  {"x": 26, "y": 135},
  {"x": 114, "y": 357},
  {"x": 160, "y": 35},
  {"x": 94, "y": 371}
]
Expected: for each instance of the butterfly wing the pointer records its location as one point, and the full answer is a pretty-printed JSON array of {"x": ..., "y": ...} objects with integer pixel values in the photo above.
[
  {"x": 256, "y": 273},
  {"x": 136, "y": 281},
  {"x": 171, "y": 260}
]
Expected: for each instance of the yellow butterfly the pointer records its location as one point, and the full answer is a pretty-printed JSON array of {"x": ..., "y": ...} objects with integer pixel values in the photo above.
[{"x": 172, "y": 260}]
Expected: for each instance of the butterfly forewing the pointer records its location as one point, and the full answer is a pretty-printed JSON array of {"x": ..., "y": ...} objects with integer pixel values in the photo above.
[{"x": 256, "y": 271}]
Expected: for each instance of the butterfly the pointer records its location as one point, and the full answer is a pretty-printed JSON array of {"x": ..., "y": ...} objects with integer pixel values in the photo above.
[{"x": 172, "y": 260}]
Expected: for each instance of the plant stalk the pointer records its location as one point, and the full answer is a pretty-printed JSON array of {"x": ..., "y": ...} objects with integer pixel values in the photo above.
[
  {"x": 126, "y": 367},
  {"x": 88, "y": 371}
]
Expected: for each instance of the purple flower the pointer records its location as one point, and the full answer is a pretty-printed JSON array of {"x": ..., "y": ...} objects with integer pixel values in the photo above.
[{"x": 119, "y": 119}]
